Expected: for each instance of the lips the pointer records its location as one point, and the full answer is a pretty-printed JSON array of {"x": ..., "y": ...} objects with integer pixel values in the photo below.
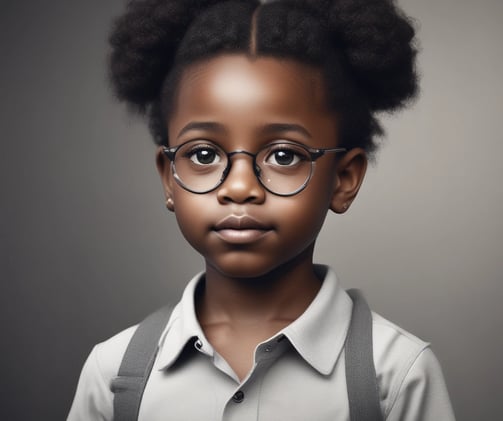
[{"x": 241, "y": 229}]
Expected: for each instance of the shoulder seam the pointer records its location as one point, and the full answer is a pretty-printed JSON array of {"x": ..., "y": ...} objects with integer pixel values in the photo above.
[
  {"x": 381, "y": 321},
  {"x": 403, "y": 375}
]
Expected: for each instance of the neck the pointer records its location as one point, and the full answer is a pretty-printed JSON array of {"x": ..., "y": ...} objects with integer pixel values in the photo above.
[{"x": 281, "y": 295}]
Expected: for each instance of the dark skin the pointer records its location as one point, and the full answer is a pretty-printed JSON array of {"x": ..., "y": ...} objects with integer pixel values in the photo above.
[{"x": 260, "y": 283}]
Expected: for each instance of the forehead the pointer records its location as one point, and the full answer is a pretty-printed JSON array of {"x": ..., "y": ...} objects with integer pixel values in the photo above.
[{"x": 231, "y": 84}]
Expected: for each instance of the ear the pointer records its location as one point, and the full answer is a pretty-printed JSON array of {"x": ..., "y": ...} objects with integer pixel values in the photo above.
[
  {"x": 350, "y": 172},
  {"x": 164, "y": 168}
]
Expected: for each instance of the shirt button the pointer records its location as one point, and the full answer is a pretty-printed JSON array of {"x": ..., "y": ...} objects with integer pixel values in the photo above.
[
  {"x": 198, "y": 344},
  {"x": 238, "y": 396},
  {"x": 268, "y": 348}
]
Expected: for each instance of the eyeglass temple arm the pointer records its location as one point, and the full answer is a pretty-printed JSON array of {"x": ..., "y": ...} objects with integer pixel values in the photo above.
[{"x": 317, "y": 153}]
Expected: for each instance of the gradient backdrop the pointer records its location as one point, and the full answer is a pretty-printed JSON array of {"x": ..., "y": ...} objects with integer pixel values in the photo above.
[{"x": 87, "y": 247}]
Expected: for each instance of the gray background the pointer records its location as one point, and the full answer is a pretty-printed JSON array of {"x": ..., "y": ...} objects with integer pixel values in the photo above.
[{"x": 87, "y": 248}]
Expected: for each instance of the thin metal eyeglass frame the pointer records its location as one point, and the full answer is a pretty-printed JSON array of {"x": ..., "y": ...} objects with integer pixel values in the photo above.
[{"x": 314, "y": 154}]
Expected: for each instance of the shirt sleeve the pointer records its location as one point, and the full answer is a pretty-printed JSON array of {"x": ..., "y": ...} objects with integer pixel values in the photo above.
[
  {"x": 423, "y": 394},
  {"x": 93, "y": 399}
]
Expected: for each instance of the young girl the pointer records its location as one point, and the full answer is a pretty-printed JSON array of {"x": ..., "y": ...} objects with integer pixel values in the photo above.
[{"x": 264, "y": 114}]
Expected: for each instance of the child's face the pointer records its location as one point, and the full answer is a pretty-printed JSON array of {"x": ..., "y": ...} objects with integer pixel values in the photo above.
[{"x": 242, "y": 98}]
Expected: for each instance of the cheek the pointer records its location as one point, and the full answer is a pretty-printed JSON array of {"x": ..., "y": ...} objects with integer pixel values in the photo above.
[
  {"x": 309, "y": 212},
  {"x": 190, "y": 215},
  {"x": 302, "y": 217}
]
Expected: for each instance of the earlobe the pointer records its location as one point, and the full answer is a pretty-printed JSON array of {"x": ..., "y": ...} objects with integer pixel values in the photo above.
[
  {"x": 349, "y": 177},
  {"x": 170, "y": 204},
  {"x": 164, "y": 168}
]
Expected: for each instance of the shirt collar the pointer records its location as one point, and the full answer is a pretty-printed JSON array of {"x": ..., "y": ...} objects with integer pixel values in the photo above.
[
  {"x": 318, "y": 335},
  {"x": 182, "y": 327}
]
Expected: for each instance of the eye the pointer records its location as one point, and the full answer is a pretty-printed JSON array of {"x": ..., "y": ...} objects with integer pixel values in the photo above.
[
  {"x": 203, "y": 154},
  {"x": 285, "y": 155}
]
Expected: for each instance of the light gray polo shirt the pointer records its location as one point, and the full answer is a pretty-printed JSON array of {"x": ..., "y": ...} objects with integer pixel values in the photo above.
[{"x": 298, "y": 375}]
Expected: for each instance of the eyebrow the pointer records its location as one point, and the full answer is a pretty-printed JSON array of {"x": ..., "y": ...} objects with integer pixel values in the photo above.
[
  {"x": 202, "y": 125},
  {"x": 265, "y": 130},
  {"x": 284, "y": 127}
]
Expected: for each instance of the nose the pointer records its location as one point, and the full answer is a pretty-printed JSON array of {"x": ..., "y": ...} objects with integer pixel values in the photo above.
[{"x": 241, "y": 184}]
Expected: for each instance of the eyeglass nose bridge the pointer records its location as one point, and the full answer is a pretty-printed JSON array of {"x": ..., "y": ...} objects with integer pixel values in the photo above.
[
  {"x": 237, "y": 151},
  {"x": 227, "y": 170},
  {"x": 258, "y": 171}
]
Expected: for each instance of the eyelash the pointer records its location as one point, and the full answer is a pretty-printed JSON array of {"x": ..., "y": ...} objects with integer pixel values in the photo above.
[
  {"x": 288, "y": 148},
  {"x": 201, "y": 147}
]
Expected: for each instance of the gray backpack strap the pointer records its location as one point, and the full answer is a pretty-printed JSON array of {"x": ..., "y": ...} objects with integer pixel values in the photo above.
[
  {"x": 137, "y": 364},
  {"x": 363, "y": 391}
]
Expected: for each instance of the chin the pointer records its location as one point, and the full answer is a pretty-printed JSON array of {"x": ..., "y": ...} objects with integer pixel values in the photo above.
[
  {"x": 242, "y": 267},
  {"x": 242, "y": 272}
]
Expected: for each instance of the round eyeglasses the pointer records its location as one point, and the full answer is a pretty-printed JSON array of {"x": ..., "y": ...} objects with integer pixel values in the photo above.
[{"x": 283, "y": 168}]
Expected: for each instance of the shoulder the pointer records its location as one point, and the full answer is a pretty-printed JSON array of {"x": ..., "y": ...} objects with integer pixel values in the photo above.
[
  {"x": 408, "y": 373},
  {"x": 393, "y": 344},
  {"x": 93, "y": 398},
  {"x": 109, "y": 353}
]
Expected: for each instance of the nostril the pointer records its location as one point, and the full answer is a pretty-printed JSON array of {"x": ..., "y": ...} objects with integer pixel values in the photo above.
[{"x": 241, "y": 181}]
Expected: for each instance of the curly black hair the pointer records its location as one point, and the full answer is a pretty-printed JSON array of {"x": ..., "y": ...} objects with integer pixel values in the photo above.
[{"x": 366, "y": 49}]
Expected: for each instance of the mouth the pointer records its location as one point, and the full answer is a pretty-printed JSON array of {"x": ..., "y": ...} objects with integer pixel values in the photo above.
[{"x": 241, "y": 229}]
